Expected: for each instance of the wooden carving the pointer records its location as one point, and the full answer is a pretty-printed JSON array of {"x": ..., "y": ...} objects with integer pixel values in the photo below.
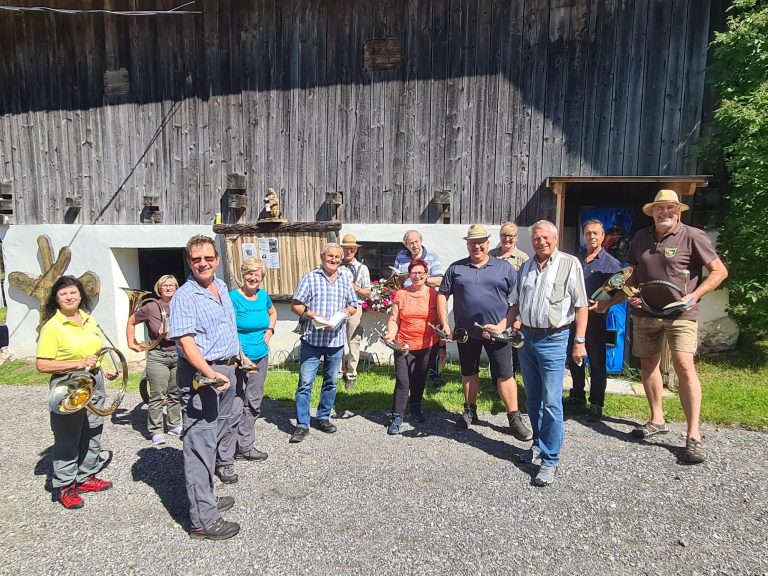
[
  {"x": 272, "y": 206},
  {"x": 39, "y": 287}
]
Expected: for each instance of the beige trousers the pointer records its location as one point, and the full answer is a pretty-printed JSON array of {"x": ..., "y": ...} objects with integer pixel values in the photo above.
[{"x": 354, "y": 339}]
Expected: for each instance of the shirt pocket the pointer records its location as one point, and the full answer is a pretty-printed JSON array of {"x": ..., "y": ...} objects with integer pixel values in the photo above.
[{"x": 558, "y": 294}]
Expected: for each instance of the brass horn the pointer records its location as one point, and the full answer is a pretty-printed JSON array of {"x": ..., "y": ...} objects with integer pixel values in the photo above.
[
  {"x": 76, "y": 392},
  {"x": 136, "y": 299}
]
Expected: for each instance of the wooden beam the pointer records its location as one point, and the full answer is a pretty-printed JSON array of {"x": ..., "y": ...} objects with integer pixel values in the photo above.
[{"x": 277, "y": 227}]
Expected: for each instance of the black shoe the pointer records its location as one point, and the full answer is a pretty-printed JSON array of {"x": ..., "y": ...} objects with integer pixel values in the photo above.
[
  {"x": 325, "y": 426},
  {"x": 224, "y": 503},
  {"x": 219, "y": 530},
  {"x": 226, "y": 473},
  {"x": 517, "y": 426},
  {"x": 416, "y": 413},
  {"x": 253, "y": 455},
  {"x": 595, "y": 413},
  {"x": 574, "y": 404},
  {"x": 299, "y": 434},
  {"x": 467, "y": 418}
]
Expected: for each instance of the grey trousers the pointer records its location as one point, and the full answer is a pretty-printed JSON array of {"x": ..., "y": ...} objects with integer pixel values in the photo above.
[
  {"x": 77, "y": 439},
  {"x": 161, "y": 375},
  {"x": 205, "y": 414},
  {"x": 245, "y": 410}
]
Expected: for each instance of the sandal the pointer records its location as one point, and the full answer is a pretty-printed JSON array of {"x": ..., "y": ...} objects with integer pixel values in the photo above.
[
  {"x": 694, "y": 451},
  {"x": 649, "y": 429}
]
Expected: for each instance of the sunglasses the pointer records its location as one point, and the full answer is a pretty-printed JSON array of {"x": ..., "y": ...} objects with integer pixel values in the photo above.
[{"x": 198, "y": 259}]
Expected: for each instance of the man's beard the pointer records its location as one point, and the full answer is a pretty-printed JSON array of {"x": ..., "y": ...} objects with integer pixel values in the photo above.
[{"x": 665, "y": 223}]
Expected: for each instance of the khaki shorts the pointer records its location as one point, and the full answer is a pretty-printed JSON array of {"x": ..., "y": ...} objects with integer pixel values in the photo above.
[{"x": 682, "y": 335}]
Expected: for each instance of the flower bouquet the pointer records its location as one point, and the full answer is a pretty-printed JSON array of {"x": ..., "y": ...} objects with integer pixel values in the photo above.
[{"x": 380, "y": 300}]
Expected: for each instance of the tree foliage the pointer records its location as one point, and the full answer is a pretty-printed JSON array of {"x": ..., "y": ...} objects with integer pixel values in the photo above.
[{"x": 741, "y": 78}]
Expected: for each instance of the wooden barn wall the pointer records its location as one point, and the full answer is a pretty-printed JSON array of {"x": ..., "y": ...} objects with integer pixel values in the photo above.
[{"x": 490, "y": 98}]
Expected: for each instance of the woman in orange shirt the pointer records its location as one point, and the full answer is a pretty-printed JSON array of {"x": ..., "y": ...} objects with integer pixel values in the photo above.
[{"x": 412, "y": 308}]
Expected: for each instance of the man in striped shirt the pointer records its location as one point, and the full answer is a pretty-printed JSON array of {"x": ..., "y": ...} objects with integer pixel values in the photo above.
[
  {"x": 203, "y": 325},
  {"x": 323, "y": 295},
  {"x": 551, "y": 297}
]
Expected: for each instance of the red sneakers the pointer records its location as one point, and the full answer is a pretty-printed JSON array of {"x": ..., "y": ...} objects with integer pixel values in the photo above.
[
  {"x": 69, "y": 497},
  {"x": 94, "y": 484}
]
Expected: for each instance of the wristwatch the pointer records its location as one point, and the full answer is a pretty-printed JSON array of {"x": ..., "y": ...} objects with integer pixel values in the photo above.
[{"x": 579, "y": 340}]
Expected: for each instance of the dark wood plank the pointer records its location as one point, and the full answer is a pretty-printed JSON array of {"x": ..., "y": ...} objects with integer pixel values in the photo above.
[
  {"x": 512, "y": 70},
  {"x": 637, "y": 65},
  {"x": 622, "y": 51},
  {"x": 604, "y": 86},
  {"x": 554, "y": 103},
  {"x": 669, "y": 154},
  {"x": 657, "y": 61},
  {"x": 695, "y": 62}
]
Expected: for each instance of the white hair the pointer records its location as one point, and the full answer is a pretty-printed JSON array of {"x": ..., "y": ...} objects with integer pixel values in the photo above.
[{"x": 544, "y": 224}]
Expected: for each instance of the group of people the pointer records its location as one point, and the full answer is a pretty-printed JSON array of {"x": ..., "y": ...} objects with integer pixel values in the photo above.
[{"x": 211, "y": 365}]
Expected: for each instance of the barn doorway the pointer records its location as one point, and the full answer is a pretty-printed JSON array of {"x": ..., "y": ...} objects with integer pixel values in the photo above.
[{"x": 156, "y": 262}]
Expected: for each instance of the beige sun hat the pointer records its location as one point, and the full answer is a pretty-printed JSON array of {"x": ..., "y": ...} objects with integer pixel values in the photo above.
[
  {"x": 664, "y": 197},
  {"x": 477, "y": 232},
  {"x": 349, "y": 241}
]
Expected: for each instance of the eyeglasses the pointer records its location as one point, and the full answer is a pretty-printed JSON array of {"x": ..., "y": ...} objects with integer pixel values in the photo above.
[
  {"x": 509, "y": 236},
  {"x": 198, "y": 259},
  {"x": 477, "y": 242},
  {"x": 168, "y": 286},
  {"x": 418, "y": 273}
]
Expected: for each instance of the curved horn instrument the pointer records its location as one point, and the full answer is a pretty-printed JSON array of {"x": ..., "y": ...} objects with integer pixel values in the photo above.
[
  {"x": 616, "y": 282},
  {"x": 514, "y": 337},
  {"x": 136, "y": 299},
  {"x": 662, "y": 298},
  {"x": 76, "y": 392},
  {"x": 459, "y": 335}
]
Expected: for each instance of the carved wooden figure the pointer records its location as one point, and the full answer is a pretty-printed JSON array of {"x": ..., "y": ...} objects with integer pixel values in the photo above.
[{"x": 40, "y": 286}]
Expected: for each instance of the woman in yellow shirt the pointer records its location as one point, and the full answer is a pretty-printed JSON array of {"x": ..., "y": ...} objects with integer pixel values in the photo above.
[{"x": 69, "y": 341}]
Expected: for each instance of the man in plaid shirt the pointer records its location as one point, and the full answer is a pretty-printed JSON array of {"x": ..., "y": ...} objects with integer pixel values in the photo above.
[{"x": 321, "y": 293}]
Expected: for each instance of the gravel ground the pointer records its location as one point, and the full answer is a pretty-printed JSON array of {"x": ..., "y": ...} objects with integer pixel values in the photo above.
[{"x": 361, "y": 502}]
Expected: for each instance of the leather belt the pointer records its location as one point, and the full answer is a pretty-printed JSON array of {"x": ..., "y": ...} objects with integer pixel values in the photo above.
[
  {"x": 231, "y": 361},
  {"x": 546, "y": 330}
]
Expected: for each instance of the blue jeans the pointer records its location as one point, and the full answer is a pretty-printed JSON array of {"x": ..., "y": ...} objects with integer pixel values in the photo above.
[
  {"x": 542, "y": 361},
  {"x": 309, "y": 359}
]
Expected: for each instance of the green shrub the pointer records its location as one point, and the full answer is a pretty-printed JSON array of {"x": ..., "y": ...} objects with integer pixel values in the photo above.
[{"x": 741, "y": 78}]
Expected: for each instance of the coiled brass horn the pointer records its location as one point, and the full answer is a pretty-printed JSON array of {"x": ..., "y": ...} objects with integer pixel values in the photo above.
[
  {"x": 136, "y": 299},
  {"x": 76, "y": 392}
]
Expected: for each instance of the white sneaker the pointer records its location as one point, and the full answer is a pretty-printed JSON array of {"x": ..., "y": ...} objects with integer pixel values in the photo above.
[
  {"x": 158, "y": 439},
  {"x": 546, "y": 475},
  {"x": 176, "y": 432}
]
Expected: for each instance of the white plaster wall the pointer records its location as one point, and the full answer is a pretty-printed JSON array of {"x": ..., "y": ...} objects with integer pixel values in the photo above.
[{"x": 108, "y": 251}]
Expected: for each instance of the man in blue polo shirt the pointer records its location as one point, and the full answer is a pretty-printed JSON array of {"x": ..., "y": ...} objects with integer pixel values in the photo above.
[
  {"x": 598, "y": 266},
  {"x": 323, "y": 295},
  {"x": 483, "y": 289}
]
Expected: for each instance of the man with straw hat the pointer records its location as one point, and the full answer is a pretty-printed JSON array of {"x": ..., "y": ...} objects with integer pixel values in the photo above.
[
  {"x": 483, "y": 289},
  {"x": 360, "y": 278},
  {"x": 673, "y": 254}
]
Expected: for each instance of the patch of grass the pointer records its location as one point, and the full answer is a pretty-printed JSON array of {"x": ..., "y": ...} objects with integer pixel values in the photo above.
[
  {"x": 3, "y": 315},
  {"x": 735, "y": 389},
  {"x": 23, "y": 373}
]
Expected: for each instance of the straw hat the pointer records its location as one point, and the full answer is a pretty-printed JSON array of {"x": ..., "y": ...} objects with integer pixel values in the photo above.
[
  {"x": 349, "y": 241},
  {"x": 477, "y": 232},
  {"x": 664, "y": 197}
]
